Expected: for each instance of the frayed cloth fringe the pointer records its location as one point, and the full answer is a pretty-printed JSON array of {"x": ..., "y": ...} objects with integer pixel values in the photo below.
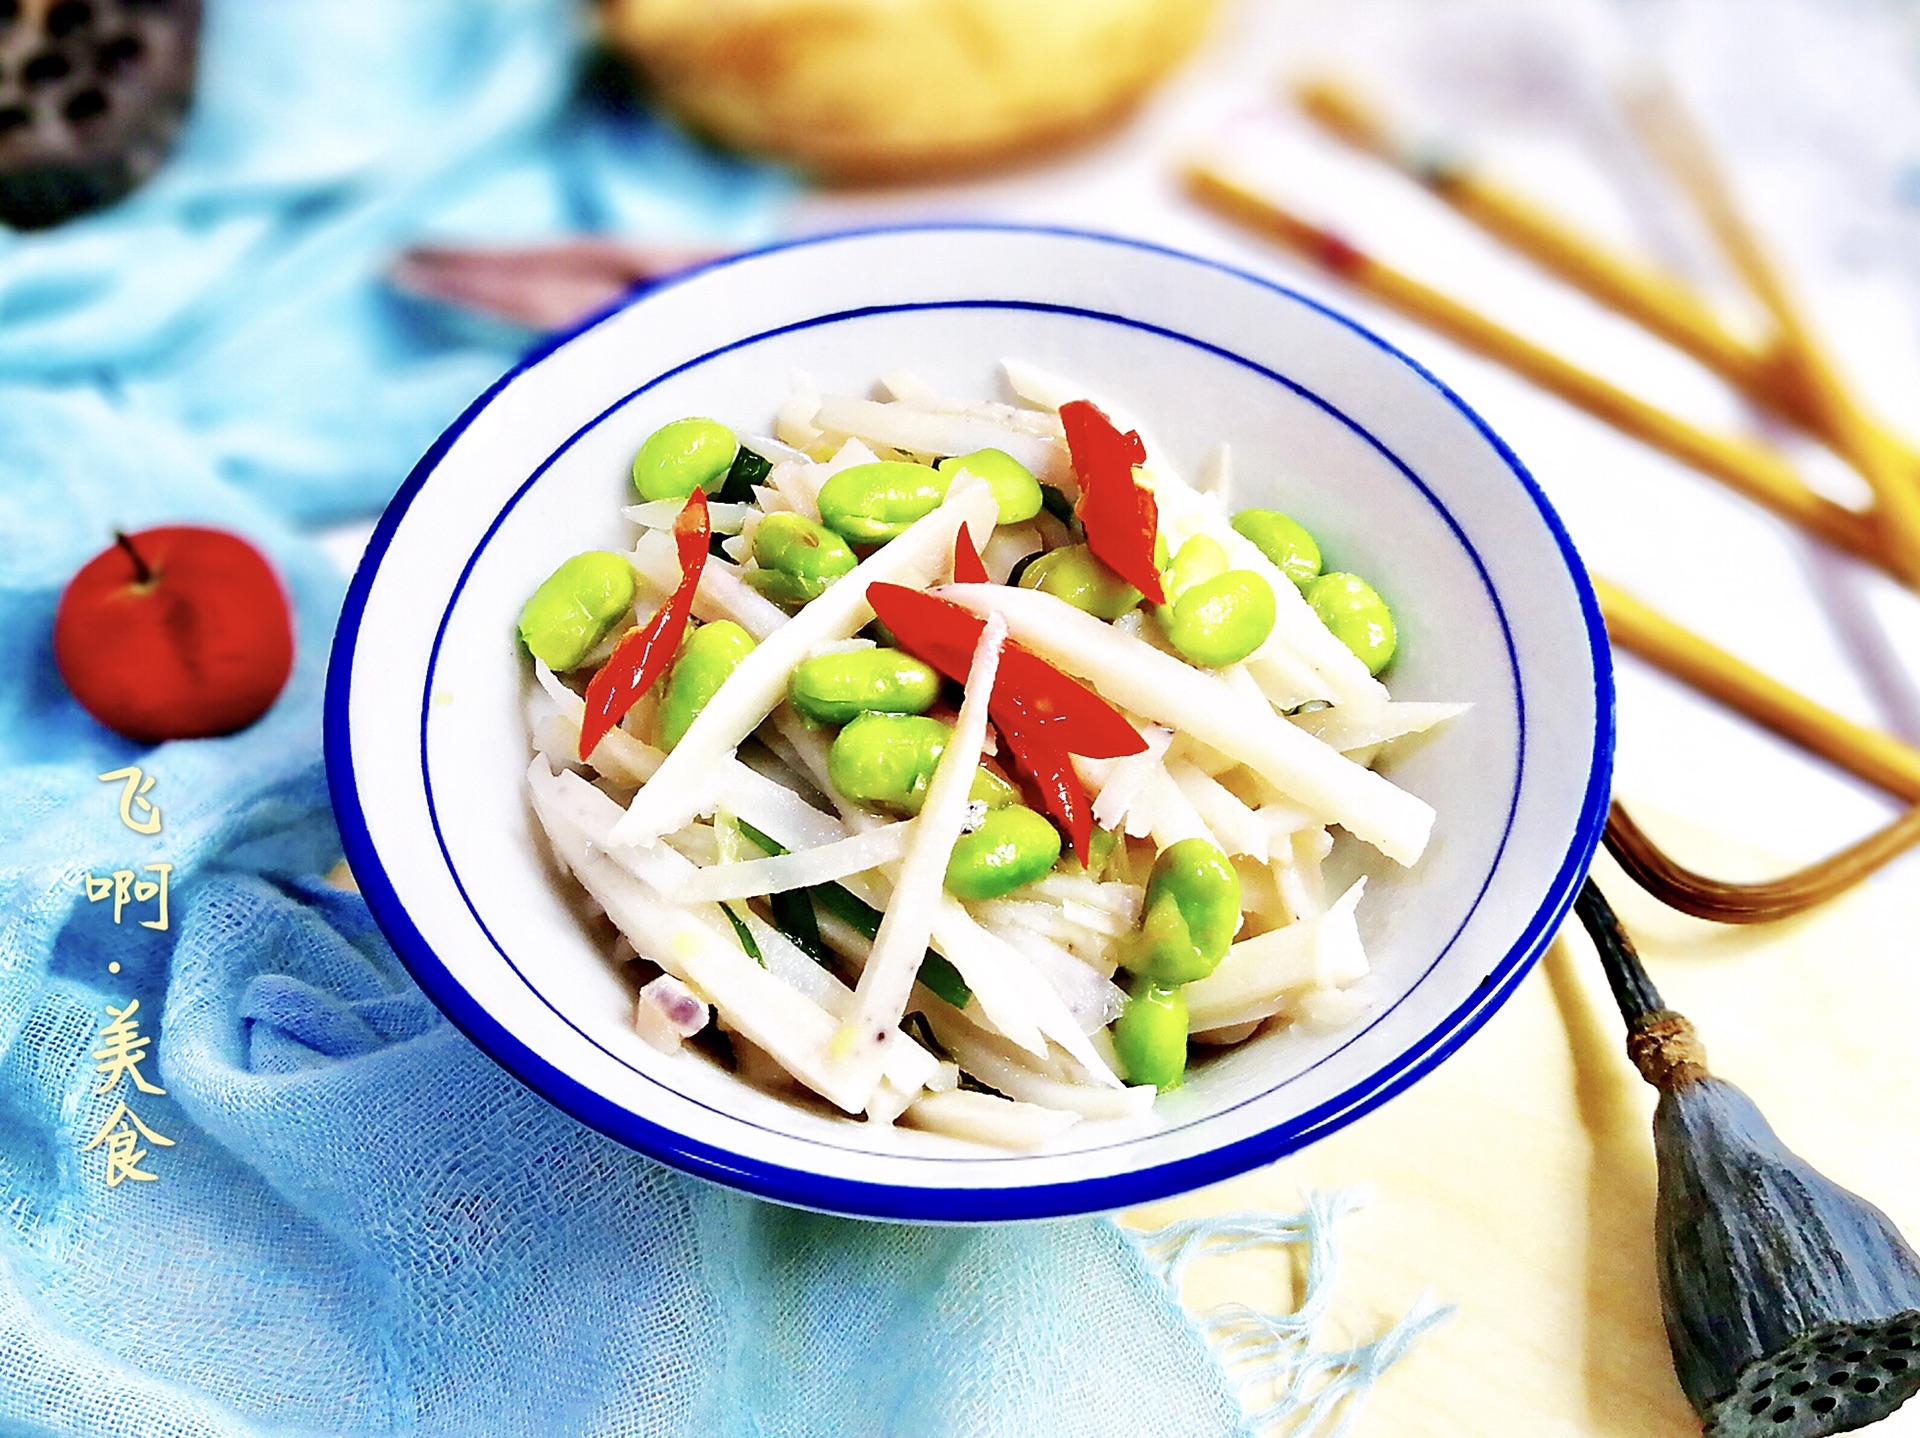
[{"x": 1308, "y": 1393}]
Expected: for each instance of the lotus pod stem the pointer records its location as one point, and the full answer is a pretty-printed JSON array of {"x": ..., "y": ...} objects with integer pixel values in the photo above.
[{"x": 1792, "y": 1306}]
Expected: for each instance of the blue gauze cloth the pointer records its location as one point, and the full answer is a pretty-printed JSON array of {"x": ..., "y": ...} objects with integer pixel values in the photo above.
[{"x": 364, "y": 1226}]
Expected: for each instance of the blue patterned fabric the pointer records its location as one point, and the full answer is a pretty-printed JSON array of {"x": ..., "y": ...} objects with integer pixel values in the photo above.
[{"x": 359, "y": 1224}]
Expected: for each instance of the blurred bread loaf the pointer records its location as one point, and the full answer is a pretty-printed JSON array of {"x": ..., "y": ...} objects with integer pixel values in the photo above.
[{"x": 860, "y": 90}]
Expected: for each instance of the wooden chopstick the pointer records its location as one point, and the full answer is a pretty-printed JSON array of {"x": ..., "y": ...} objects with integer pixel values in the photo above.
[
  {"x": 1878, "y": 759},
  {"x": 1793, "y": 377},
  {"x": 1867, "y": 754},
  {"x": 1888, "y": 466},
  {"x": 1874, "y": 757},
  {"x": 1770, "y": 374},
  {"x": 1657, "y": 302},
  {"x": 1749, "y": 469}
]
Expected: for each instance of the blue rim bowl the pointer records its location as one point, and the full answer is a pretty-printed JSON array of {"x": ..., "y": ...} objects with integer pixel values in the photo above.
[{"x": 425, "y": 737}]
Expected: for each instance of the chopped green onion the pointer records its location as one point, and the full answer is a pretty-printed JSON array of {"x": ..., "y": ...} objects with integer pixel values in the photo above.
[
  {"x": 941, "y": 977},
  {"x": 760, "y": 840},
  {"x": 747, "y": 470},
  {"x": 744, "y": 934},
  {"x": 1056, "y": 503},
  {"x": 793, "y": 916},
  {"x": 944, "y": 980}
]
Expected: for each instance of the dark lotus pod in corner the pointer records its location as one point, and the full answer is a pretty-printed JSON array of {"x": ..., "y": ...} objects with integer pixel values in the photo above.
[
  {"x": 92, "y": 94},
  {"x": 1792, "y": 1306}
]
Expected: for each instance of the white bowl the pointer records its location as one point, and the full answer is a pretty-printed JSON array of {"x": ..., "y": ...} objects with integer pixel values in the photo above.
[{"x": 426, "y": 743}]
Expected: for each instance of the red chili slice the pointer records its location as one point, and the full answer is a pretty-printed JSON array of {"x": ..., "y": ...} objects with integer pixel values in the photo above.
[
  {"x": 639, "y": 658},
  {"x": 967, "y": 568},
  {"x": 1043, "y": 714},
  {"x": 1119, "y": 514}
]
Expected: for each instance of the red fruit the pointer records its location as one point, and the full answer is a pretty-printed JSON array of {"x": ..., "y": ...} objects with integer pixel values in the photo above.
[{"x": 175, "y": 633}]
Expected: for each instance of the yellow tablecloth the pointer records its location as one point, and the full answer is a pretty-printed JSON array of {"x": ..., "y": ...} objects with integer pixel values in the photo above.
[{"x": 1517, "y": 1181}]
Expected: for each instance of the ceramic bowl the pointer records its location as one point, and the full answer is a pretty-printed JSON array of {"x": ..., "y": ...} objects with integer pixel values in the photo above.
[{"x": 427, "y": 744}]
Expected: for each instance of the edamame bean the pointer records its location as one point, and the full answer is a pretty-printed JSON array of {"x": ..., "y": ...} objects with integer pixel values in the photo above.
[
  {"x": 990, "y": 789},
  {"x": 1016, "y": 493},
  {"x": 1022, "y": 565},
  {"x": 1192, "y": 914},
  {"x": 1013, "y": 846},
  {"x": 834, "y": 688},
  {"x": 1201, "y": 558},
  {"x": 1073, "y": 573},
  {"x": 709, "y": 655},
  {"x": 1150, "y": 1036},
  {"x": 681, "y": 457},
  {"x": 1100, "y": 846},
  {"x": 872, "y": 503},
  {"x": 1357, "y": 615},
  {"x": 1221, "y": 620},
  {"x": 798, "y": 558},
  {"x": 575, "y": 607},
  {"x": 1214, "y": 614},
  {"x": 1283, "y": 540},
  {"x": 889, "y": 759}
]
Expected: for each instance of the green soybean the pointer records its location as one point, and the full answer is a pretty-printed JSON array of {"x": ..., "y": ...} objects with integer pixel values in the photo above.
[
  {"x": 1283, "y": 540},
  {"x": 575, "y": 607},
  {"x": 798, "y": 558},
  {"x": 1221, "y": 620},
  {"x": 1011, "y": 847},
  {"x": 872, "y": 503},
  {"x": 1022, "y": 565},
  {"x": 990, "y": 789},
  {"x": 1357, "y": 615},
  {"x": 1150, "y": 1036},
  {"x": 1073, "y": 573},
  {"x": 1192, "y": 914},
  {"x": 709, "y": 655},
  {"x": 1016, "y": 493},
  {"x": 1100, "y": 848},
  {"x": 886, "y": 758},
  {"x": 889, "y": 759},
  {"x": 1201, "y": 558},
  {"x": 681, "y": 457},
  {"x": 834, "y": 688}
]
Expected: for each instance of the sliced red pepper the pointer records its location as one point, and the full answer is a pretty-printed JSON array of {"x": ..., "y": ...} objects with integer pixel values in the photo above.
[
  {"x": 640, "y": 658},
  {"x": 1043, "y": 714},
  {"x": 967, "y": 568},
  {"x": 1119, "y": 514}
]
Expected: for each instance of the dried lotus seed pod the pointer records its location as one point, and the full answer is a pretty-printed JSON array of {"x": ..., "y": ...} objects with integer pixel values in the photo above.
[{"x": 92, "y": 94}]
